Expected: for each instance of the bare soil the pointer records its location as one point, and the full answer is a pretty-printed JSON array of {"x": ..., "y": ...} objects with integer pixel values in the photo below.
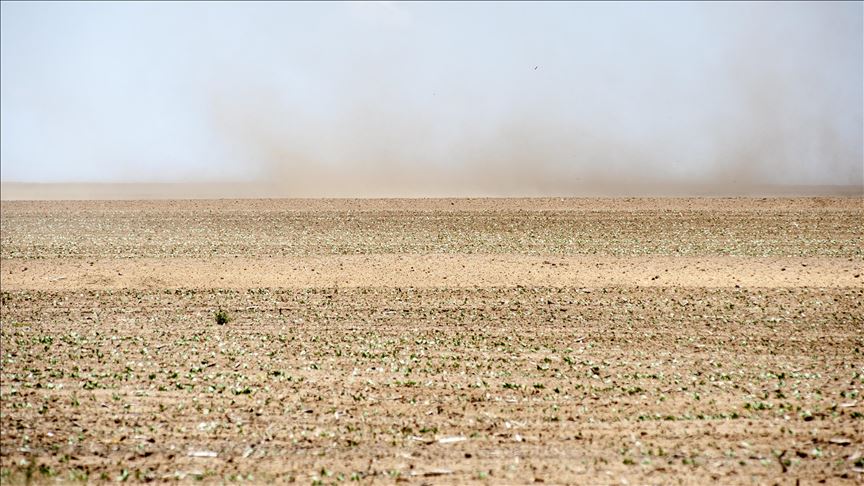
[{"x": 574, "y": 341}]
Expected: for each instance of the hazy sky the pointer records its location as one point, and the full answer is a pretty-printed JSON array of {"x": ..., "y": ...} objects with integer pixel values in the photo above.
[{"x": 480, "y": 97}]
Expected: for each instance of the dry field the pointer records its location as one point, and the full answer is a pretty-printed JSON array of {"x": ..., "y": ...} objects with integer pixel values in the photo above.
[{"x": 580, "y": 341}]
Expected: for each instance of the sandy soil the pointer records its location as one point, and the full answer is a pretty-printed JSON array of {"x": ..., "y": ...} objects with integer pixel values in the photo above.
[
  {"x": 434, "y": 270},
  {"x": 601, "y": 341}
]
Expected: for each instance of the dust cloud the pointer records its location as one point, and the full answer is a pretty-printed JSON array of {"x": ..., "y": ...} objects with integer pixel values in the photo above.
[
  {"x": 768, "y": 114},
  {"x": 767, "y": 102}
]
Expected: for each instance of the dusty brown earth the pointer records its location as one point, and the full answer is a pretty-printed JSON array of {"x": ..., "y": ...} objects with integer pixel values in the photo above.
[{"x": 580, "y": 341}]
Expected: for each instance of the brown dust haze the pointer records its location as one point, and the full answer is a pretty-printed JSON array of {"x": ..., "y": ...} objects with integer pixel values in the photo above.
[{"x": 769, "y": 102}]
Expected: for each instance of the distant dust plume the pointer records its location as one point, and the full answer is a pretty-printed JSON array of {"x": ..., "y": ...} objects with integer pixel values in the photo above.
[{"x": 364, "y": 100}]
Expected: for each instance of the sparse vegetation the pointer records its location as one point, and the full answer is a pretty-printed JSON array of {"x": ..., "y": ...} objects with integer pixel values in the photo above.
[
  {"x": 222, "y": 317},
  {"x": 329, "y": 383}
]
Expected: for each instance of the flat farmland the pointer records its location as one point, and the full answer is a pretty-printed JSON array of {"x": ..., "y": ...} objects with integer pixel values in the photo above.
[{"x": 439, "y": 341}]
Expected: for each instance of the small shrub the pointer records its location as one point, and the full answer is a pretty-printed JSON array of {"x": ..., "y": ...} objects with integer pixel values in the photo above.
[{"x": 222, "y": 317}]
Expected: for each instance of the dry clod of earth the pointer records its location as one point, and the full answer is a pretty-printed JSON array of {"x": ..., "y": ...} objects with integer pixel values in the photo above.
[{"x": 580, "y": 341}]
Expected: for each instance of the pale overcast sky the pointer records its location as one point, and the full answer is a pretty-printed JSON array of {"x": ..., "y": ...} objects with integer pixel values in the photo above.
[{"x": 502, "y": 94}]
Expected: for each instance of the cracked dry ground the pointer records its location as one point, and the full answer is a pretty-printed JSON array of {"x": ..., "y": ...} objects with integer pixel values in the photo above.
[{"x": 434, "y": 341}]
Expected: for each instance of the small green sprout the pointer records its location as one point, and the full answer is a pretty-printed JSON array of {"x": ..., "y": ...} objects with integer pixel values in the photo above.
[{"x": 222, "y": 317}]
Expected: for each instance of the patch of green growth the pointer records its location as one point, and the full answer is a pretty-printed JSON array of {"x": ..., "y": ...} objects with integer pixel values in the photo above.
[{"x": 222, "y": 317}]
